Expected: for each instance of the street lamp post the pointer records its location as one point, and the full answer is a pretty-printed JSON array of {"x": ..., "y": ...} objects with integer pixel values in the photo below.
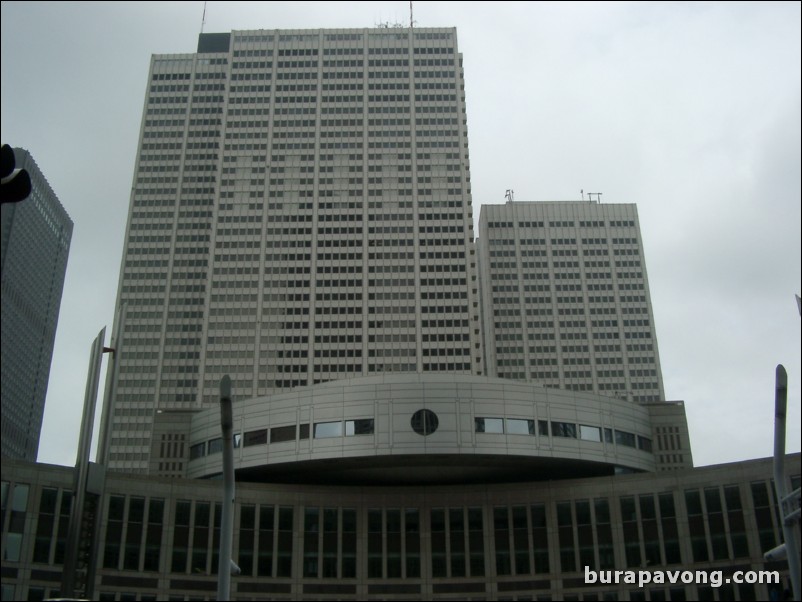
[
  {"x": 225, "y": 566},
  {"x": 788, "y": 513}
]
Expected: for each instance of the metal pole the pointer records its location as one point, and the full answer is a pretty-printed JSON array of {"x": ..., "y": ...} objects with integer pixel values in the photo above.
[
  {"x": 81, "y": 473},
  {"x": 226, "y": 520},
  {"x": 789, "y": 533}
]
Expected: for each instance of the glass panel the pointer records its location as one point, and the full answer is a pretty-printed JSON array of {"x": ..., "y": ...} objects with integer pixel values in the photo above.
[
  {"x": 255, "y": 438},
  {"x": 516, "y": 426},
  {"x": 362, "y": 426},
  {"x": 215, "y": 446},
  {"x": 279, "y": 434},
  {"x": 625, "y": 439},
  {"x": 589, "y": 433},
  {"x": 489, "y": 425},
  {"x": 324, "y": 430}
]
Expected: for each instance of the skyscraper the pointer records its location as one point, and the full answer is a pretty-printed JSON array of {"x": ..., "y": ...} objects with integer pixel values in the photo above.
[
  {"x": 565, "y": 298},
  {"x": 301, "y": 212},
  {"x": 36, "y": 236}
]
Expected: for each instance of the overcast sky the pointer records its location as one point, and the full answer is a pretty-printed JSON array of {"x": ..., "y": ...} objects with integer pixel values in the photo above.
[{"x": 692, "y": 111}]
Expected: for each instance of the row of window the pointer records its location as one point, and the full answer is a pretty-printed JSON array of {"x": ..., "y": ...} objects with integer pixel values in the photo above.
[{"x": 365, "y": 426}]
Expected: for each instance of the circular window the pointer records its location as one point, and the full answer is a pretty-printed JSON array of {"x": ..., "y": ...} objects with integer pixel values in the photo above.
[{"x": 424, "y": 422}]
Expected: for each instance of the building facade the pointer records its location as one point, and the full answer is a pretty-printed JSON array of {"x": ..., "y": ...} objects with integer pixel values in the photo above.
[
  {"x": 301, "y": 212},
  {"x": 565, "y": 298},
  {"x": 159, "y": 537},
  {"x": 36, "y": 235}
]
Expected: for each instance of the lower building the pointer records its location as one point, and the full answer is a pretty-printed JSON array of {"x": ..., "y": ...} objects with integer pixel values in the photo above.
[
  {"x": 408, "y": 487},
  {"x": 523, "y": 541}
]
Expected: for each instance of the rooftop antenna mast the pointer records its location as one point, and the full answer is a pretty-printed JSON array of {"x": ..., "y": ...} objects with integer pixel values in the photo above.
[
  {"x": 203, "y": 20},
  {"x": 509, "y": 195},
  {"x": 411, "y": 22}
]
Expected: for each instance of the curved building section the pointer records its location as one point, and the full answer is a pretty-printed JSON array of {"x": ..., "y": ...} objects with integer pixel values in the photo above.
[{"x": 407, "y": 428}]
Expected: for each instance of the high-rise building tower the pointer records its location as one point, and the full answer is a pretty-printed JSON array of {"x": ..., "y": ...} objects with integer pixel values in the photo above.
[
  {"x": 565, "y": 298},
  {"x": 36, "y": 236},
  {"x": 301, "y": 212}
]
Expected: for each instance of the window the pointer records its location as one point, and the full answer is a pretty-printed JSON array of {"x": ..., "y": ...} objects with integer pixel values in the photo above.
[
  {"x": 489, "y": 425},
  {"x": 516, "y": 426},
  {"x": 363, "y": 426},
  {"x": 255, "y": 438},
  {"x": 563, "y": 429},
  {"x": 197, "y": 451},
  {"x": 215, "y": 446},
  {"x": 279, "y": 434},
  {"x": 624, "y": 438},
  {"x": 325, "y": 430},
  {"x": 589, "y": 433},
  {"x": 424, "y": 422}
]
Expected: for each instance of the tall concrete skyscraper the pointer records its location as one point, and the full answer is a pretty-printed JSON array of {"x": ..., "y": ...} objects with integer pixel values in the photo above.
[
  {"x": 565, "y": 298},
  {"x": 36, "y": 235},
  {"x": 301, "y": 212}
]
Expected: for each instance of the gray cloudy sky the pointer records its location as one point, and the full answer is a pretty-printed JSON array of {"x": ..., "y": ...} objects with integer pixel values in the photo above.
[{"x": 690, "y": 110}]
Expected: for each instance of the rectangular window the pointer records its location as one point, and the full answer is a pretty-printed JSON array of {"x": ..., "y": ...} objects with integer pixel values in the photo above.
[
  {"x": 264, "y": 559},
  {"x": 247, "y": 524},
  {"x": 325, "y": 430},
  {"x": 543, "y": 428},
  {"x": 565, "y": 532},
  {"x": 255, "y": 438},
  {"x": 631, "y": 536},
  {"x": 516, "y": 426},
  {"x": 501, "y": 533},
  {"x": 285, "y": 537},
  {"x": 476, "y": 542},
  {"x": 624, "y": 438},
  {"x": 197, "y": 451},
  {"x": 563, "y": 429},
  {"x": 114, "y": 532},
  {"x": 311, "y": 540},
  {"x": 696, "y": 525},
  {"x": 589, "y": 433},
  {"x": 133, "y": 538},
  {"x": 644, "y": 444},
  {"x": 44, "y": 525},
  {"x": 668, "y": 518},
  {"x": 489, "y": 425},
  {"x": 375, "y": 546},
  {"x": 180, "y": 536},
  {"x": 280, "y": 434},
  {"x": 349, "y": 543},
  {"x": 363, "y": 426},
  {"x": 438, "y": 526},
  {"x": 540, "y": 543}
]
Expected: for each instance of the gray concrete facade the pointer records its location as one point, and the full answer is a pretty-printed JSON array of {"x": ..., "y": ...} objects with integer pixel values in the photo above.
[
  {"x": 301, "y": 212},
  {"x": 565, "y": 298},
  {"x": 513, "y": 541}
]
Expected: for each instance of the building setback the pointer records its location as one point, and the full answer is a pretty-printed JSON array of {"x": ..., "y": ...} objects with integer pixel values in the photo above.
[
  {"x": 301, "y": 212},
  {"x": 36, "y": 235},
  {"x": 565, "y": 298}
]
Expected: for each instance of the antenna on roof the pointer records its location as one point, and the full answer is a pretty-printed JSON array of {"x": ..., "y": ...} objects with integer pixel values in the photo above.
[
  {"x": 596, "y": 194},
  {"x": 582, "y": 192},
  {"x": 411, "y": 22},
  {"x": 509, "y": 195},
  {"x": 203, "y": 21}
]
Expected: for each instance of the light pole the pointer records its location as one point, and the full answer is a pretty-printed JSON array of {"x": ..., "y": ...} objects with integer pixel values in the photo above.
[
  {"x": 788, "y": 514},
  {"x": 225, "y": 565}
]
